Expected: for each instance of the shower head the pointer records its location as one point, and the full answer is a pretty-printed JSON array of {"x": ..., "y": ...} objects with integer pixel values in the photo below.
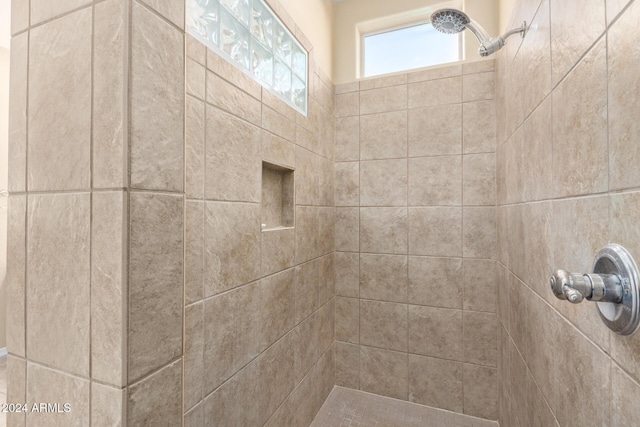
[
  {"x": 449, "y": 21},
  {"x": 453, "y": 21}
]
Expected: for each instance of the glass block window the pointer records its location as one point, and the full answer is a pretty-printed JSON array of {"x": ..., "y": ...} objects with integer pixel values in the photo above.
[{"x": 248, "y": 34}]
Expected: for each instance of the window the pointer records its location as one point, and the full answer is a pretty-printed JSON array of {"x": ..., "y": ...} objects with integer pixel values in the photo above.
[
  {"x": 248, "y": 34},
  {"x": 413, "y": 46}
]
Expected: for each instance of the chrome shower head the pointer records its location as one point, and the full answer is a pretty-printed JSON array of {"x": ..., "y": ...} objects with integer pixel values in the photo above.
[
  {"x": 449, "y": 21},
  {"x": 453, "y": 21}
]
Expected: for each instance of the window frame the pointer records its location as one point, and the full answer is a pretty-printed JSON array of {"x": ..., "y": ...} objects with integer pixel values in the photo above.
[{"x": 389, "y": 28}]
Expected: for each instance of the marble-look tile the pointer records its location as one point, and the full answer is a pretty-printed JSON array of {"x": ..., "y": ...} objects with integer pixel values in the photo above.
[
  {"x": 277, "y": 295},
  {"x": 383, "y": 135},
  {"x": 383, "y": 230},
  {"x": 580, "y": 122},
  {"x": 575, "y": 25},
  {"x": 434, "y": 73},
  {"x": 536, "y": 48},
  {"x": 306, "y": 348},
  {"x": 480, "y": 285},
  {"x": 537, "y": 179},
  {"x": 383, "y": 183},
  {"x": 47, "y": 385},
  {"x": 435, "y": 332},
  {"x": 277, "y": 250},
  {"x": 435, "y": 92},
  {"x": 58, "y": 248},
  {"x": 614, "y": 7},
  {"x": 480, "y": 391},
  {"x": 17, "y": 125},
  {"x": 155, "y": 281},
  {"x": 42, "y": 10},
  {"x": 623, "y": 126},
  {"x": 479, "y": 232},
  {"x": 382, "y": 100},
  {"x": 435, "y": 282},
  {"x": 538, "y": 410},
  {"x": 347, "y": 87},
  {"x": 232, "y": 245},
  {"x": 277, "y": 378},
  {"x": 380, "y": 82},
  {"x": 347, "y": 357},
  {"x": 232, "y": 333},
  {"x": 109, "y": 120},
  {"x": 157, "y": 102},
  {"x": 384, "y": 372},
  {"x": 347, "y": 184},
  {"x": 284, "y": 416},
  {"x": 194, "y": 251},
  {"x": 479, "y": 179},
  {"x": 172, "y": 10},
  {"x": 233, "y": 100},
  {"x": 108, "y": 287},
  {"x": 435, "y": 181},
  {"x": 193, "y": 355},
  {"x": 305, "y": 399},
  {"x": 478, "y": 87},
  {"x": 435, "y": 131},
  {"x": 347, "y": 104},
  {"x": 347, "y": 273},
  {"x": 436, "y": 383},
  {"x": 479, "y": 126},
  {"x": 480, "y": 66},
  {"x": 60, "y": 103},
  {"x": 153, "y": 400},
  {"x": 435, "y": 231},
  {"x": 278, "y": 150},
  {"x": 347, "y": 229},
  {"x": 383, "y": 325},
  {"x": 480, "y": 338},
  {"x": 233, "y": 158},
  {"x": 347, "y": 319},
  {"x": 195, "y": 417},
  {"x": 307, "y": 289},
  {"x": 624, "y": 411},
  {"x": 383, "y": 277},
  {"x": 347, "y": 139},
  {"x": 314, "y": 232},
  {"x": 194, "y": 148},
  {"x": 15, "y": 278},
  {"x": 107, "y": 405}
]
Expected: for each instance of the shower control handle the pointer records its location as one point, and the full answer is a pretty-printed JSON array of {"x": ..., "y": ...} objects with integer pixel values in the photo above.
[{"x": 575, "y": 287}]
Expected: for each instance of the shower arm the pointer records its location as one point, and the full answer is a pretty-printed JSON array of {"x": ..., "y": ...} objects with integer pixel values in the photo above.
[{"x": 489, "y": 45}]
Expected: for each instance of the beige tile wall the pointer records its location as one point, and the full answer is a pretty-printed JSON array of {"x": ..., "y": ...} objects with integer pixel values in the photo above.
[
  {"x": 135, "y": 249},
  {"x": 416, "y": 237},
  {"x": 567, "y": 121}
]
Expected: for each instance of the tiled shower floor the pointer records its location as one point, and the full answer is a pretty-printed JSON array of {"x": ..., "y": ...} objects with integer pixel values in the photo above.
[{"x": 345, "y": 407}]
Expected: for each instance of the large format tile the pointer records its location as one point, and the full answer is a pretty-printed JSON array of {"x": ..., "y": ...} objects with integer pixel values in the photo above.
[
  {"x": 107, "y": 405},
  {"x": 108, "y": 287},
  {"x": 434, "y": 131},
  {"x": 16, "y": 388},
  {"x": 435, "y": 92},
  {"x": 480, "y": 336},
  {"x": 109, "y": 120},
  {"x": 383, "y": 230},
  {"x": 17, "y": 125},
  {"x": 47, "y": 385},
  {"x": 435, "y": 231},
  {"x": 194, "y": 251},
  {"x": 478, "y": 87},
  {"x": 60, "y": 103},
  {"x": 347, "y": 357},
  {"x": 233, "y": 158},
  {"x": 157, "y": 102},
  {"x": 480, "y": 391},
  {"x": 172, "y": 10},
  {"x": 384, "y": 372},
  {"x": 435, "y": 181},
  {"x": 624, "y": 411},
  {"x": 347, "y": 229},
  {"x": 435, "y": 332},
  {"x": 277, "y": 378},
  {"x": 623, "y": 125},
  {"x": 383, "y": 277},
  {"x": 383, "y": 135},
  {"x": 347, "y": 184},
  {"x": 382, "y": 100},
  {"x": 479, "y": 232},
  {"x": 536, "y": 47},
  {"x": 233, "y": 100},
  {"x": 580, "y": 126},
  {"x": 42, "y": 10},
  {"x": 383, "y": 324},
  {"x": 479, "y": 179},
  {"x": 153, "y": 400},
  {"x": 58, "y": 262},
  {"x": 347, "y": 274},
  {"x": 347, "y": 321},
  {"x": 15, "y": 278},
  {"x": 232, "y": 245},
  {"x": 436, "y": 282},
  {"x": 193, "y": 355},
  {"x": 383, "y": 183},
  {"x": 347, "y": 139},
  {"x": 278, "y": 306},
  {"x": 436, "y": 383},
  {"x": 156, "y": 281},
  {"x": 479, "y": 126},
  {"x": 195, "y": 148}
]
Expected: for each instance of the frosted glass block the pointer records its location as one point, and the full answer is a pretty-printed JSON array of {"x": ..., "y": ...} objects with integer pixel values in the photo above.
[
  {"x": 282, "y": 44},
  {"x": 282, "y": 80},
  {"x": 239, "y": 9},
  {"x": 299, "y": 93},
  {"x": 262, "y": 24},
  {"x": 299, "y": 62},
  {"x": 203, "y": 19},
  {"x": 234, "y": 39},
  {"x": 262, "y": 64}
]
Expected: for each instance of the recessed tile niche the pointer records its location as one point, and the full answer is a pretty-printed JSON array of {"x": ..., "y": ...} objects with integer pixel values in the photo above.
[{"x": 277, "y": 197}]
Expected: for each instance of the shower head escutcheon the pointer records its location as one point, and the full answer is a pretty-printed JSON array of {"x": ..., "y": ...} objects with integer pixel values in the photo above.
[{"x": 452, "y": 21}]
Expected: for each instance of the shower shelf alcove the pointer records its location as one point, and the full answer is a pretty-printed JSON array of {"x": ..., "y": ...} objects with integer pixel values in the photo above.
[{"x": 277, "y": 197}]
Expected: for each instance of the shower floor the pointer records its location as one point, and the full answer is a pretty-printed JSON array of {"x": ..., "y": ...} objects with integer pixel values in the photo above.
[{"x": 345, "y": 407}]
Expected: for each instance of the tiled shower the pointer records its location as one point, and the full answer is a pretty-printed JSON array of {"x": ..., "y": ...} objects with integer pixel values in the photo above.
[{"x": 164, "y": 270}]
